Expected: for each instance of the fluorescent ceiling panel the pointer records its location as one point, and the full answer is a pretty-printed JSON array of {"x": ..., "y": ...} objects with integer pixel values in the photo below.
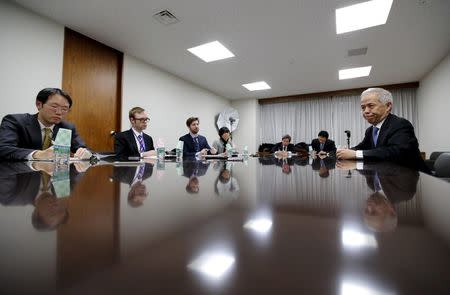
[
  {"x": 211, "y": 51},
  {"x": 261, "y": 85},
  {"x": 363, "y": 15},
  {"x": 354, "y": 72}
]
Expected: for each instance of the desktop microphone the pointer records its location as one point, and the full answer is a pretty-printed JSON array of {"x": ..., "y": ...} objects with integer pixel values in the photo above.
[{"x": 347, "y": 132}]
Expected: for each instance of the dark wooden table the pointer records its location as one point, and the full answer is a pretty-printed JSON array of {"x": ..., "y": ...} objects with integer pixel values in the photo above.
[{"x": 261, "y": 226}]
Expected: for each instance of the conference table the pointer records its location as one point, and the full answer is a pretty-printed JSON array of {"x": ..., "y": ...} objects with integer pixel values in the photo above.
[{"x": 247, "y": 226}]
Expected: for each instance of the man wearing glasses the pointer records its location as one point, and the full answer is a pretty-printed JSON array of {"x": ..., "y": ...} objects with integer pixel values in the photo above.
[
  {"x": 29, "y": 137},
  {"x": 134, "y": 142}
]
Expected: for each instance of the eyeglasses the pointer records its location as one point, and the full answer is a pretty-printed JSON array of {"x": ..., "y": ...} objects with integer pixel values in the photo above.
[
  {"x": 142, "y": 120},
  {"x": 62, "y": 109}
]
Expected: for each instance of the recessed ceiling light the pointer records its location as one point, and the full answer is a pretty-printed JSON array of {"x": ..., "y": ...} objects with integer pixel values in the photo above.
[
  {"x": 354, "y": 72},
  {"x": 363, "y": 15},
  {"x": 261, "y": 85},
  {"x": 211, "y": 51}
]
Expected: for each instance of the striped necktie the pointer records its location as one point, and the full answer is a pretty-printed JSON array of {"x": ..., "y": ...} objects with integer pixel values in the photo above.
[
  {"x": 141, "y": 143},
  {"x": 47, "y": 141}
]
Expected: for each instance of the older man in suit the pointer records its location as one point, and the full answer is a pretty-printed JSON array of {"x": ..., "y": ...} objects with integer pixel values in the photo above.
[
  {"x": 195, "y": 145},
  {"x": 29, "y": 137},
  {"x": 390, "y": 138},
  {"x": 134, "y": 142}
]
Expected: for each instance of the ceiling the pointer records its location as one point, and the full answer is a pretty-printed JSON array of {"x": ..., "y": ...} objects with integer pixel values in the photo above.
[{"x": 290, "y": 44}]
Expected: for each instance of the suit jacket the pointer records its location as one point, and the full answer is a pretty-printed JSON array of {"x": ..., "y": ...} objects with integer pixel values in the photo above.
[
  {"x": 125, "y": 144},
  {"x": 189, "y": 145},
  {"x": 329, "y": 163},
  {"x": 21, "y": 184},
  {"x": 278, "y": 147},
  {"x": 398, "y": 183},
  {"x": 20, "y": 135},
  {"x": 328, "y": 146},
  {"x": 126, "y": 174},
  {"x": 194, "y": 168},
  {"x": 396, "y": 143}
]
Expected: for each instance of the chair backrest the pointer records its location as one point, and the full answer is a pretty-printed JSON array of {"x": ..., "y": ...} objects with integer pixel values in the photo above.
[
  {"x": 435, "y": 155},
  {"x": 442, "y": 165},
  {"x": 266, "y": 147}
]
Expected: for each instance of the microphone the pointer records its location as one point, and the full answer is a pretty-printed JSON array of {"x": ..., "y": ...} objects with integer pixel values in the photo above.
[{"x": 348, "y": 137}]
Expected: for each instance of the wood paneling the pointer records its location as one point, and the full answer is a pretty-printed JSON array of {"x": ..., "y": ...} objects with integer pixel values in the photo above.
[
  {"x": 345, "y": 92},
  {"x": 92, "y": 74}
]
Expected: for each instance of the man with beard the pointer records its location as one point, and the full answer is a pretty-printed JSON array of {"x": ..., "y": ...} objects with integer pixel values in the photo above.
[{"x": 195, "y": 145}]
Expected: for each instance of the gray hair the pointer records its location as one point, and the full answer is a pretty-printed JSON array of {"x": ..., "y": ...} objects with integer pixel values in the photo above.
[{"x": 383, "y": 95}]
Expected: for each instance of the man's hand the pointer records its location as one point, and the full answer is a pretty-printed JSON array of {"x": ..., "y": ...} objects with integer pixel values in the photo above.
[
  {"x": 44, "y": 155},
  {"x": 82, "y": 154},
  {"x": 46, "y": 167},
  {"x": 149, "y": 153},
  {"x": 203, "y": 152},
  {"x": 81, "y": 166},
  {"x": 346, "y": 154},
  {"x": 346, "y": 165}
]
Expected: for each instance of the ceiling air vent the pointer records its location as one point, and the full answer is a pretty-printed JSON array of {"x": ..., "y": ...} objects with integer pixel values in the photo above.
[
  {"x": 166, "y": 17},
  {"x": 357, "y": 51}
]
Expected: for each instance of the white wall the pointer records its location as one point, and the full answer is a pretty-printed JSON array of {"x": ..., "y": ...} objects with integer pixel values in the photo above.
[
  {"x": 169, "y": 101},
  {"x": 31, "y": 57},
  {"x": 433, "y": 99},
  {"x": 247, "y": 132}
]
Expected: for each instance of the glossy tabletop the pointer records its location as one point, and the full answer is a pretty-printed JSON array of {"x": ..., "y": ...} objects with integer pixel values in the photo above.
[{"x": 257, "y": 226}]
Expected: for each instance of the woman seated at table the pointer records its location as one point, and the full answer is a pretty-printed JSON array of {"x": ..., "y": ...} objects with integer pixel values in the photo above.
[{"x": 224, "y": 142}]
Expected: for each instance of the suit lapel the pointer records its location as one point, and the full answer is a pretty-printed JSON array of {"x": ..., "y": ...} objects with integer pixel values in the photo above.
[
  {"x": 132, "y": 142},
  {"x": 383, "y": 131},
  {"x": 35, "y": 132}
]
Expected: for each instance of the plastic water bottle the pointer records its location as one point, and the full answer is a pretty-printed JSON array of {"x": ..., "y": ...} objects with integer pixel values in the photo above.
[
  {"x": 61, "y": 155},
  {"x": 245, "y": 150},
  {"x": 160, "y": 150}
]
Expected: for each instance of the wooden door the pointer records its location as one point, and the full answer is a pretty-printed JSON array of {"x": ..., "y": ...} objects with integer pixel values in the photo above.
[{"x": 92, "y": 75}]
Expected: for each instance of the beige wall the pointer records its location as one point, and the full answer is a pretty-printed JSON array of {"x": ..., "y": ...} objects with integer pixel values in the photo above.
[{"x": 433, "y": 99}]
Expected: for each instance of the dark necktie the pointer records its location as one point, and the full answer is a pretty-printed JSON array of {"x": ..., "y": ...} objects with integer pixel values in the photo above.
[
  {"x": 321, "y": 146},
  {"x": 375, "y": 135},
  {"x": 141, "y": 143},
  {"x": 196, "y": 144},
  {"x": 47, "y": 142},
  {"x": 376, "y": 183}
]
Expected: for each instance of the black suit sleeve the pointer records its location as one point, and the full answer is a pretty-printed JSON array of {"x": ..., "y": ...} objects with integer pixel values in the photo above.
[
  {"x": 10, "y": 140},
  {"x": 366, "y": 143},
  {"x": 331, "y": 146}
]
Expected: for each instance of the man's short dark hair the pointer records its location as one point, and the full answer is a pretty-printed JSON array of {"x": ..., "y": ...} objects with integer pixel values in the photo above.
[
  {"x": 323, "y": 134},
  {"x": 287, "y": 136},
  {"x": 45, "y": 93},
  {"x": 190, "y": 120}
]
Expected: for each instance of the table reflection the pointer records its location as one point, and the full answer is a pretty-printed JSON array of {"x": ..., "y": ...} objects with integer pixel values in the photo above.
[{"x": 295, "y": 224}]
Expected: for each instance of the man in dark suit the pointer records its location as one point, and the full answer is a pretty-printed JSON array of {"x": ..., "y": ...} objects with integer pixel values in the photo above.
[
  {"x": 193, "y": 170},
  {"x": 322, "y": 145},
  {"x": 285, "y": 145},
  {"x": 391, "y": 184},
  {"x": 390, "y": 138},
  {"x": 195, "y": 145},
  {"x": 134, "y": 176},
  {"x": 28, "y": 137},
  {"x": 134, "y": 142}
]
